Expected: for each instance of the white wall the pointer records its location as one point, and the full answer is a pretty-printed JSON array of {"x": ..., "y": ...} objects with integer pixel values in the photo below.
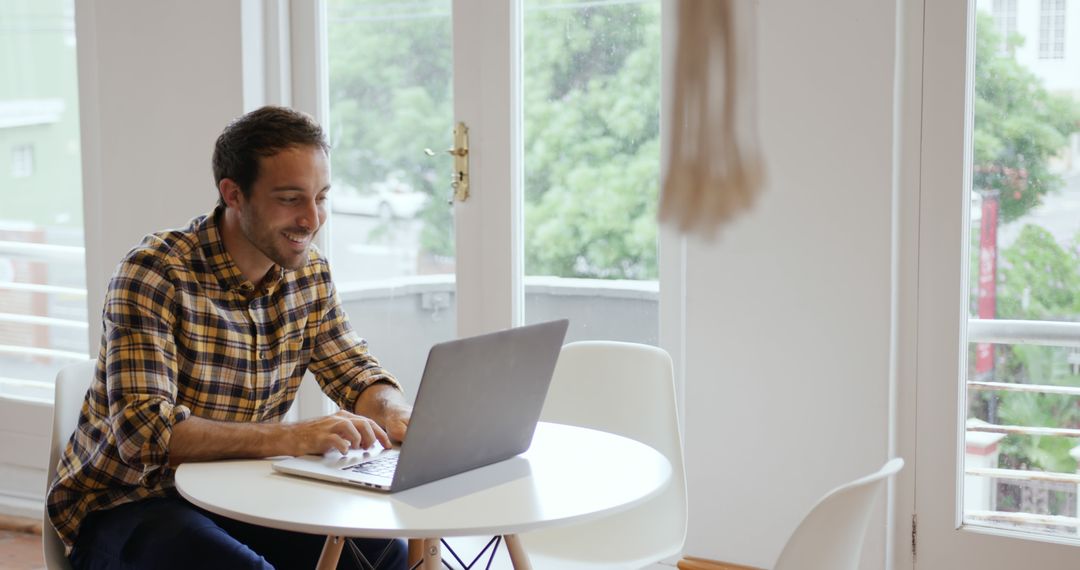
[
  {"x": 157, "y": 82},
  {"x": 788, "y": 320}
]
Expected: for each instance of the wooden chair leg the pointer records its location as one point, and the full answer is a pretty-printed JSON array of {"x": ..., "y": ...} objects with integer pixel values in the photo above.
[
  {"x": 331, "y": 552},
  {"x": 427, "y": 549},
  {"x": 518, "y": 558}
]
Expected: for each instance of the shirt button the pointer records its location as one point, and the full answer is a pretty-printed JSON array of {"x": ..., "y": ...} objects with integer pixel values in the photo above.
[{"x": 264, "y": 354}]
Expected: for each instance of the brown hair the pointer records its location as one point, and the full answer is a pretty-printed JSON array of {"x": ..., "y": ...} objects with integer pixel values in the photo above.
[{"x": 263, "y": 132}]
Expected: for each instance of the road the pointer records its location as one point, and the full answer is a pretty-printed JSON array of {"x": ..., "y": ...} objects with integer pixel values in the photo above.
[
  {"x": 1059, "y": 214},
  {"x": 365, "y": 248}
]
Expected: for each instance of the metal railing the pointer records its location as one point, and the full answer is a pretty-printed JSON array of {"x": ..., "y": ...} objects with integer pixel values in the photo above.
[
  {"x": 1039, "y": 333},
  {"x": 40, "y": 252}
]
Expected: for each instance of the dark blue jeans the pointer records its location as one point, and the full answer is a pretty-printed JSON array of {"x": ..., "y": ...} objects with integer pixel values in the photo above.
[{"x": 169, "y": 533}]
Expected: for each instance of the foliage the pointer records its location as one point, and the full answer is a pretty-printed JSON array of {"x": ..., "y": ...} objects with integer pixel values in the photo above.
[
  {"x": 592, "y": 151},
  {"x": 591, "y": 124},
  {"x": 1038, "y": 280},
  {"x": 1019, "y": 126}
]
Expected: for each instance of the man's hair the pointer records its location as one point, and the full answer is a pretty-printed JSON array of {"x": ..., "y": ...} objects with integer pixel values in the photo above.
[{"x": 263, "y": 132}]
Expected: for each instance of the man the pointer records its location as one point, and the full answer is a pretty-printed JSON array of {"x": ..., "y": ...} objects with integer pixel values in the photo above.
[{"x": 207, "y": 333}]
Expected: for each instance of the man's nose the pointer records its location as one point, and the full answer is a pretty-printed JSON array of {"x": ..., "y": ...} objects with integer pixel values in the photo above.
[{"x": 309, "y": 217}]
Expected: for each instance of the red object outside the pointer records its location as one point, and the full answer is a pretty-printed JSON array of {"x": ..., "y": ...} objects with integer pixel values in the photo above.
[{"x": 984, "y": 352}]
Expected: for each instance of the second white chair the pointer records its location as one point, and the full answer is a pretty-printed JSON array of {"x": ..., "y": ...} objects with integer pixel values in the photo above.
[
  {"x": 626, "y": 389},
  {"x": 70, "y": 391}
]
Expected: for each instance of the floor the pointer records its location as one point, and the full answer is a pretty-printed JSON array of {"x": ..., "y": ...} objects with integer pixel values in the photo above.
[
  {"x": 20, "y": 544},
  {"x": 20, "y": 547}
]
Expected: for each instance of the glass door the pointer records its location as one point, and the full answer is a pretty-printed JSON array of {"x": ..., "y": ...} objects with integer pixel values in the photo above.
[
  {"x": 591, "y": 168},
  {"x": 391, "y": 234}
]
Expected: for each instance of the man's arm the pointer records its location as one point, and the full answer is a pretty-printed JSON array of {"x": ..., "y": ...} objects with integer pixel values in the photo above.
[
  {"x": 198, "y": 439},
  {"x": 386, "y": 405}
]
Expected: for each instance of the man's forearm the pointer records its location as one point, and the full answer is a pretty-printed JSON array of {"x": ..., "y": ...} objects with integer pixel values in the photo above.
[
  {"x": 385, "y": 404},
  {"x": 198, "y": 439},
  {"x": 377, "y": 399}
]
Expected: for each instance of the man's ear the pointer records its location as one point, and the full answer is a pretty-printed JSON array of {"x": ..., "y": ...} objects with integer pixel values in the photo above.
[{"x": 230, "y": 193}]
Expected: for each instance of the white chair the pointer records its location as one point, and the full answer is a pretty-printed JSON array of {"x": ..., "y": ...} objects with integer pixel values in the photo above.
[
  {"x": 71, "y": 385},
  {"x": 830, "y": 536},
  {"x": 626, "y": 389}
]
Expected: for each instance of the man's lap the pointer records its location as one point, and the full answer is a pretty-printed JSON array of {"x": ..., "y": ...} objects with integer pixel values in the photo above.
[{"x": 171, "y": 533}]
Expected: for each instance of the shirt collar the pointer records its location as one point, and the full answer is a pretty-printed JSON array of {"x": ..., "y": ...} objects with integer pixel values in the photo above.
[{"x": 222, "y": 264}]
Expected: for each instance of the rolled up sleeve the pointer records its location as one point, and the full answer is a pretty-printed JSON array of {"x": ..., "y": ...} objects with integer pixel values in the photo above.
[{"x": 140, "y": 372}]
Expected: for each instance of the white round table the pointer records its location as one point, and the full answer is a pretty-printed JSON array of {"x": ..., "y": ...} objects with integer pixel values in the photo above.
[{"x": 569, "y": 474}]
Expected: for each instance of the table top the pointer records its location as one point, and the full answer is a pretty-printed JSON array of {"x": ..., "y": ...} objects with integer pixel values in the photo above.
[{"x": 569, "y": 474}]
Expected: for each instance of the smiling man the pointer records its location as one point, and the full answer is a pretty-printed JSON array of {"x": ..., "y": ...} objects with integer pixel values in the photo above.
[{"x": 208, "y": 331}]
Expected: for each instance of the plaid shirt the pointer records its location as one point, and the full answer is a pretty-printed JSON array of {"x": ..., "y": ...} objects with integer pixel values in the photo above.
[{"x": 185, "y": 333}]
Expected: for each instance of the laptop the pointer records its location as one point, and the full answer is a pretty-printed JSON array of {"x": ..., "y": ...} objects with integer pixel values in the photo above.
[{"x": 478, "y": 403}]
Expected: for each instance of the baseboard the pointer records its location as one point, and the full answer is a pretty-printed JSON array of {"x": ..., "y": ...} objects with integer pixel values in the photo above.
[
  {"x": 695, "y": 563},
  {"x": 21, "y": 524}
]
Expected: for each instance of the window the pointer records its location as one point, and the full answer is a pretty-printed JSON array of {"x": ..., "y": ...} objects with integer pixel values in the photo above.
[
  {"x": 1052, "y": 29},
  {"x": 592, "y": 166},
  {"x": 1022, "y": 384},
  {"x": 42, "y": 273},
  {"x": 1005, "y": 20},
  {"x": 22, "y": 161}
]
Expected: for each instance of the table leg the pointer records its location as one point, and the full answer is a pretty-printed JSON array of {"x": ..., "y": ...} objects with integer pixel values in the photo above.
[
  {"x": 518, "y": 558},
  {"x": 331, "y": 552},
  {"x": 425, "y": 550}
]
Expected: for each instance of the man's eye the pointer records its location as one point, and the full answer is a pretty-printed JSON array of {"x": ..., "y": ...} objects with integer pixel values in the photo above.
[
  {"x": 320, "y": 199},
  {"x": 288, "y": 200}
]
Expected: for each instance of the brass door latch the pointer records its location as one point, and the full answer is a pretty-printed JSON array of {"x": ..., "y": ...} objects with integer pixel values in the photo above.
[{"x": 459, "y": 181}]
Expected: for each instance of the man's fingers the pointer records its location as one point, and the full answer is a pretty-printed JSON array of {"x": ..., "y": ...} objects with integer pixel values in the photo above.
[
  {"x": 382, "y": 436},
  {"x": 371, "y": 432},
  {"x": 347, "y": 430},
  {"x": 339, "y": 443}
]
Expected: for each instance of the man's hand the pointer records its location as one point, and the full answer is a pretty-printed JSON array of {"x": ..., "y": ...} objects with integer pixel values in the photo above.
[
  {"x": 387, "y": 406},
  {"x": 342, "y": 431}
]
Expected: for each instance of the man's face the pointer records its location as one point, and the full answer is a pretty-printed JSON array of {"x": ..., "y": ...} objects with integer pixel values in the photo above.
[{"x": 287, "y": 205}]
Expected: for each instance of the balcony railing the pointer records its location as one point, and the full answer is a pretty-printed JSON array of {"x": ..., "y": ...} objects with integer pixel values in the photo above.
[
  {"x": 41, "y": 349},
  {"x": 1040, "y": 333}
]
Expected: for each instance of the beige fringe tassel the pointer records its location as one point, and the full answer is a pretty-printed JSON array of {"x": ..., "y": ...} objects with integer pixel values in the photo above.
[{"x": 715, "y": 170}]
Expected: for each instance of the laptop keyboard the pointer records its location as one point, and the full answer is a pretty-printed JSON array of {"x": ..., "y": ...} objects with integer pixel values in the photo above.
[{"x": 383, "y": 466}]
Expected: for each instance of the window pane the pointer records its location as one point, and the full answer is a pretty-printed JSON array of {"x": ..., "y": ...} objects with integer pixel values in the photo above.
[
  {"x": 592, "y": 166},
  {"x": 42, "y": 270},
  {"x": 392, "y": 235},
  {"x": 1023, "y": 370}
]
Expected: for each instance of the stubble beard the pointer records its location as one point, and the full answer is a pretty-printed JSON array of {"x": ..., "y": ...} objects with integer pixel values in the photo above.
[{"x": 266, "y": 242}]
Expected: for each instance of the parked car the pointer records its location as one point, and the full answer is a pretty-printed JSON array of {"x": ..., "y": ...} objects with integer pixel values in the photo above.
[{"x": 389, "y": 198}]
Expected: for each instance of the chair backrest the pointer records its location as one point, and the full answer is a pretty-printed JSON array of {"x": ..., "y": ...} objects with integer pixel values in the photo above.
[
  {"x": 627, "y": 389},
  {"x": 830, "y": 537},
  {"x": 70, "y": 391}
]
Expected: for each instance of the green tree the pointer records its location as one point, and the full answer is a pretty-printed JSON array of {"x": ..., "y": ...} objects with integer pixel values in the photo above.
[
  {"x": 390, "y": 98},
  {"x": 1039, "y": 280},
  {"x": 1019, "y": 126},
  {"x": 592, "y": 151}
]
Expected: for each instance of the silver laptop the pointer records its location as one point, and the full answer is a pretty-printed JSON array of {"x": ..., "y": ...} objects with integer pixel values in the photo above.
[{"x": 478, "y": 403}]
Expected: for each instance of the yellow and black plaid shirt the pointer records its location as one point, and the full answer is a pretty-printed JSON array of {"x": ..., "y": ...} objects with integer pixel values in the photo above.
[{"x": 185, "y": 333}]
